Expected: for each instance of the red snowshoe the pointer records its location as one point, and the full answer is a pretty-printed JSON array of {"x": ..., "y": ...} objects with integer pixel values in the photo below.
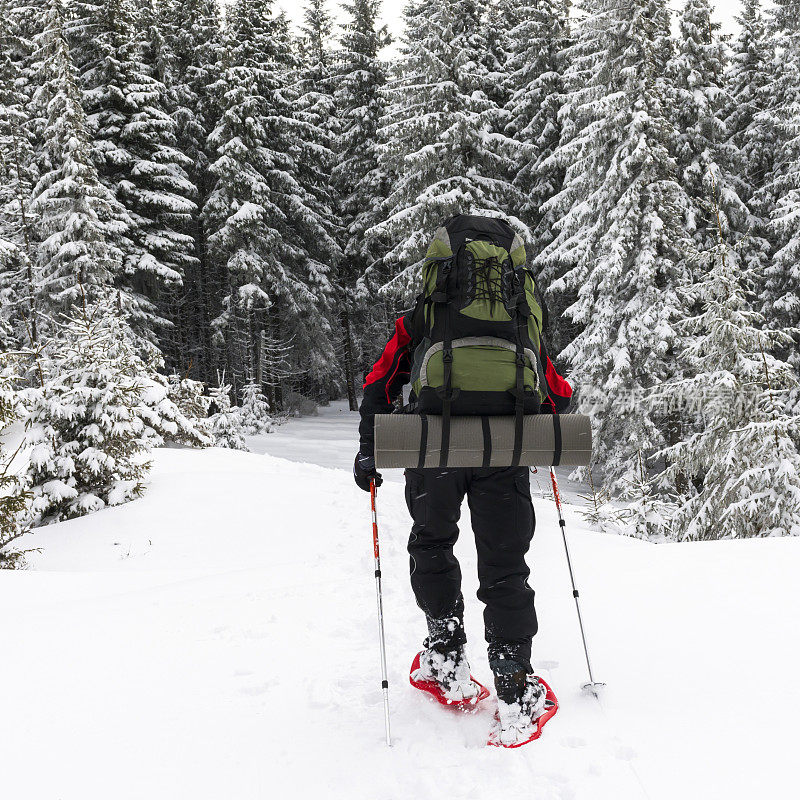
[
  {"x": 523, "y": 734},
  {"x": 438, "y": 693}
]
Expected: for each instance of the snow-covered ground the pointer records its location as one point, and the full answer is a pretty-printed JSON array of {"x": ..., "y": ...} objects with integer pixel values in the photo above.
[{"x": 217, "y": 639}]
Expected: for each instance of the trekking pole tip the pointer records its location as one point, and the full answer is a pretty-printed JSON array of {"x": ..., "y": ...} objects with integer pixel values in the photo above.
[{"x": 593, "y": 688}]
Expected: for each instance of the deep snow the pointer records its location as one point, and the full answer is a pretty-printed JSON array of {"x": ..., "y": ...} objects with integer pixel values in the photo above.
[{"x": 217, "y": 639}]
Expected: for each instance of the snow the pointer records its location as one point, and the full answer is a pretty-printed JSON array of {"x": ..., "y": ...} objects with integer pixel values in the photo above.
[{"x": 217, "y": 638}]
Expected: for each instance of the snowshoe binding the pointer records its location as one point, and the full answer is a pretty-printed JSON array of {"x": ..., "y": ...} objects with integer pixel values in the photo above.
[
  {"x": 524, "y": 704},
  {"x": 446, "y": 677}
]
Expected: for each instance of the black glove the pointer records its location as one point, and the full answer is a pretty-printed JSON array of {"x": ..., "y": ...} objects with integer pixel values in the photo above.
[{"x": 364, "y": 471}]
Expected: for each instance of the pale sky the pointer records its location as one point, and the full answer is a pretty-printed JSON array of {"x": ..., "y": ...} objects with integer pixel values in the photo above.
[{"x": 392, "y": 14}]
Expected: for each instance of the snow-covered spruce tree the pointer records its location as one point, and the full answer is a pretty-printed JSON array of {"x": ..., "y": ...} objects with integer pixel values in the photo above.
[
  {"x": 162, "y": 197},
  {"x": 535, "y": 78},
  {"x": 707, "y": 160},
  {"x": 436, "y": 143},
  {"x": 17, "y": 178},
  {"x": 254, "y": 413},
  {"x": 261, "y": 216},
  {"x": 240, "y": 209},
  {"x": 619, "y": 242},
  {"x": 780, "y": 195},
  {"x": 133, "y": 146},
  {"x": 747, "y": 79},
  {"x": 88, "y": 426},
  {"x": 78, "y": 218},
  {"x": 225, "y": 425},
  {"x": 535, "y": 66},
  {"x": 318, "y": 229},
  {"x": 501, "y": 19},
  {"x": 359, "y": 182},
  {"x": 739, "y": 469},
  {"x": 192, "y": 31}
]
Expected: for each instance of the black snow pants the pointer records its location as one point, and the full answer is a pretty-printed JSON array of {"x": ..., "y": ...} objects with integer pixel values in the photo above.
[{"x": 503, "y": 522}]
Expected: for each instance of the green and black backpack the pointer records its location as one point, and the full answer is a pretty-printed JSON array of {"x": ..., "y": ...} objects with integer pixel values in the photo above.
[{"x": 481, "y": 324}]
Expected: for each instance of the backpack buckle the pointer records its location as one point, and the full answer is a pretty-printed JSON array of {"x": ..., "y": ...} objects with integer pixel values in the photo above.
[
  {"x": 447, "y": 356},
  {"x": 520, "y": 359}
]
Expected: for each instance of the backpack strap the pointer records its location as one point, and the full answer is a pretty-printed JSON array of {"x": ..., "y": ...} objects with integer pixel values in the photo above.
[
  {"x": 522, "y": 312},
  {"x": 446, "y": 394},
  {"x": 423, "y": 442}
]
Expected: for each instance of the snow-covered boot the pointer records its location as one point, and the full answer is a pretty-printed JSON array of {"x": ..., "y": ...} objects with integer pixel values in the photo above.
[
  {"x": 520, "y": 701},
  {"x": 449, "y": 670}
]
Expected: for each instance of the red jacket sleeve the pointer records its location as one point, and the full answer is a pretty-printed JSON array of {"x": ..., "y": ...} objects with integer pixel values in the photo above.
[
  {"x": 559, "y": 391},
  {"x": 385, "y": 382}
]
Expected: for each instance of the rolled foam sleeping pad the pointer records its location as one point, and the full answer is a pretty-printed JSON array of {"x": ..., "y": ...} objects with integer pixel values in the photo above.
[{"x": 415, "y": 440}]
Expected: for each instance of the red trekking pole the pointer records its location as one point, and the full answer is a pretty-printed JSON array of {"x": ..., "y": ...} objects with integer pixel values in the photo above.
[
  {"x": 377, "y": 552},
  {"x": 593, "y": 685}
]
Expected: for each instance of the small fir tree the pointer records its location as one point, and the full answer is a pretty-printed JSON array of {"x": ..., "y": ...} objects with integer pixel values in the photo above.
[
  {"x": 89, "y": 428},
  {"x": 254, "y": 413},
  {"x": 224, "y": 424}
]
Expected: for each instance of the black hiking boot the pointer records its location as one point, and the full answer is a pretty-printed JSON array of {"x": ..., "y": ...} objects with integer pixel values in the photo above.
[
  {"x": 520, "y": 700},
  {"x": 449, "y": 669}
]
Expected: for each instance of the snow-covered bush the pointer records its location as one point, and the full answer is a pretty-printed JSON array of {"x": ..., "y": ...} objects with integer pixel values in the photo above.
[
  {"x": 89, "y": 428},
  {"x": 298, "y": 405},
  {"x": 646, "y": 512},
  {"x": 225, "y": 425},
  {"x": 254, "y": 413},
  {"x": 599, "y": 509}
]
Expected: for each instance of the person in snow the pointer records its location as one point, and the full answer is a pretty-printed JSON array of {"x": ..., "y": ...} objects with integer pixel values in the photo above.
[{"x": 502, "y": 521}]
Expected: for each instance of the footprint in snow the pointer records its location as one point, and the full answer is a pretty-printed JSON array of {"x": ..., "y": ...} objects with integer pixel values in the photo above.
[
  {"x": 573, "y": 741},
  {"x": 625, "y": 753}
]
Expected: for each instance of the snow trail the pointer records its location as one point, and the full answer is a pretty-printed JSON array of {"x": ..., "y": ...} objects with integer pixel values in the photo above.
[{"x": 217, "y": 638}]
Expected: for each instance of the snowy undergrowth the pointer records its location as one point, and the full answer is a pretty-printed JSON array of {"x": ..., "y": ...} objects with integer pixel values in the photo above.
[{"x": 217, "y": 638}]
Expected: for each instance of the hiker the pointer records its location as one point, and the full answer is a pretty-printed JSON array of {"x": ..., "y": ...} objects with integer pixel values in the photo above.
[{"x": 471, "y": 345}]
